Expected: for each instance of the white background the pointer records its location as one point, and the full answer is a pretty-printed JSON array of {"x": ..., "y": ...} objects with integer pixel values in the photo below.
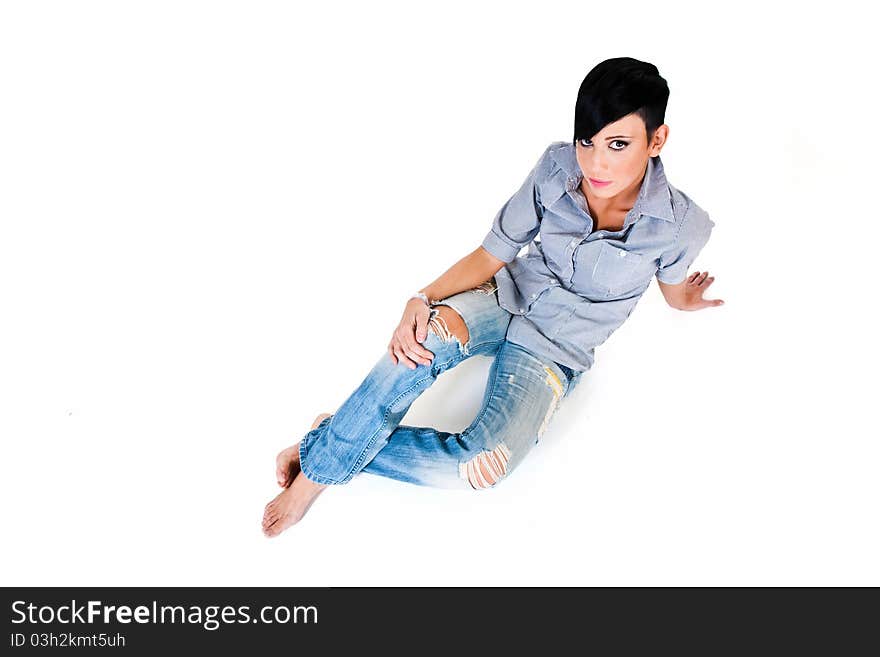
[{"x": 213, "y": 213}]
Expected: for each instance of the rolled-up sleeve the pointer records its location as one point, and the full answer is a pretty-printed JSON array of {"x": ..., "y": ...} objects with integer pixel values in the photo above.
[
  {"x": 692, "y": 236},
  {"x": 518, "y": 221}
]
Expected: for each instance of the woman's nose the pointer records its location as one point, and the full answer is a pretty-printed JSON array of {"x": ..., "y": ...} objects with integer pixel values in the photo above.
[{"x": 598, "y": 168}]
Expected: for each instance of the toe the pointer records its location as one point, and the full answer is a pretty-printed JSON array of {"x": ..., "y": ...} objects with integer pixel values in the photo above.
[{"x": 273, "y": 528}]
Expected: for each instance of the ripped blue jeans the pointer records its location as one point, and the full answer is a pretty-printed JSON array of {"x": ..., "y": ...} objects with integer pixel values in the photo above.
[{"x": 522, "y": 393}]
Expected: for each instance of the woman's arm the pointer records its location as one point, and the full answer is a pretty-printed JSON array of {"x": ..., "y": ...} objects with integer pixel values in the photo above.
[{"x": 475, "y": 268}]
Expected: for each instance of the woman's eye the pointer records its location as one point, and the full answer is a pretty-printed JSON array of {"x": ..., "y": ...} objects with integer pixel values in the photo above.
[{"x": 586, "y": 143}]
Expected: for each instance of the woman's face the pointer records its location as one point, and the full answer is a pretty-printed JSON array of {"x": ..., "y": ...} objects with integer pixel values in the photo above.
[{"x": 618, "y": 154}]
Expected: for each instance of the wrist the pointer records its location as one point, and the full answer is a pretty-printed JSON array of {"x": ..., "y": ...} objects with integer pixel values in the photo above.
[{"x": 423, "y": 297}]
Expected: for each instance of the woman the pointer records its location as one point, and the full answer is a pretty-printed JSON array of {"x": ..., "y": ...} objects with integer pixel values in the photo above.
[{"x": 607, "y": 222}]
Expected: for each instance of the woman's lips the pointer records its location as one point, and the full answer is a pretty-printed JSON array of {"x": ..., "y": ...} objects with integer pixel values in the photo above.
[{"x": 599, "y": 183}]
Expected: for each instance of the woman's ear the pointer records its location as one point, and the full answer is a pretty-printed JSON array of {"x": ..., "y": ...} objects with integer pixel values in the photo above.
[{"x": 661, "y": 134}]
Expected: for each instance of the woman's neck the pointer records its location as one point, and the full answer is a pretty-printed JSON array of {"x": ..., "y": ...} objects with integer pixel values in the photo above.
[
  {"x": 608, "y": 214},
  {"x": 611, "y": 212}
]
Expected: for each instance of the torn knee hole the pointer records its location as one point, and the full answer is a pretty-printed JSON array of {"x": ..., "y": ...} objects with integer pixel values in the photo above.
[
  {"x": 487, "y": 468},
  {"x": 440, "y": 324}
]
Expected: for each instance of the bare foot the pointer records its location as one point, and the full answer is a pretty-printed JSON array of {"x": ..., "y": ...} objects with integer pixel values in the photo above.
[
  {"x": 287, "y": 461},
  {"x": 291, "y": 504}
]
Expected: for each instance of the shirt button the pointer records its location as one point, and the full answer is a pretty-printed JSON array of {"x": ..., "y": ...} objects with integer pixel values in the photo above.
[
  {"x": 521, "y": 311},
  {"x": 534, "y": 296},
  {"x": 622, "y": 254}
]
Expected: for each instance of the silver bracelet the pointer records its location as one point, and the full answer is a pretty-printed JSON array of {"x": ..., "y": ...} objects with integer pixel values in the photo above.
[{"x": 422, "y": 296}]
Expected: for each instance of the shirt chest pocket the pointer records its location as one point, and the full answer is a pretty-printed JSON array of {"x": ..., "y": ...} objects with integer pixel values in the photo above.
[{"x": 617, "y": 271}]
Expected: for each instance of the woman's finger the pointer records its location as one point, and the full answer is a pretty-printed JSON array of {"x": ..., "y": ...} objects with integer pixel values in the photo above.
[
  {"x": 416, "y": 351},
  {"x": 422, "y": 326},
  {"x": 413, "y": 340},
  {"x": 403, "y": 360},
  {"x": 416, "y": 358}
]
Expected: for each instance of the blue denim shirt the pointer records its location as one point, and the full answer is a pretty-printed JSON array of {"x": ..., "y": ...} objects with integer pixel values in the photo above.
[{"x": 574, "y": 287}]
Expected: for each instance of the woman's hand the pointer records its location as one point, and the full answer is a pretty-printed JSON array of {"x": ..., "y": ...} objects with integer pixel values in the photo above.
[
  {"x": 413, "y": 329},
  {"x": 695, "y": 286}
]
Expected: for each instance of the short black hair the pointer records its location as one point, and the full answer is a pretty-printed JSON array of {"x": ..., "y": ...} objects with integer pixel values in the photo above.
[{"x": 618, "y": 87}]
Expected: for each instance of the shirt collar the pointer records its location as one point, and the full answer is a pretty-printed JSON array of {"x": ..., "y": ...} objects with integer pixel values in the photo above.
[{"x": 654, "y": 198}]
